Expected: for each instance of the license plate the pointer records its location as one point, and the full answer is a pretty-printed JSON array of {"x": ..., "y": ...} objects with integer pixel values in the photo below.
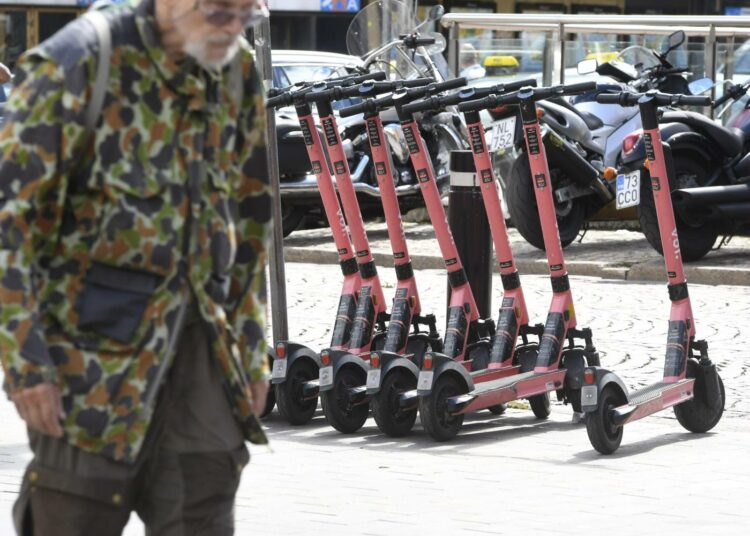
[
  {"x": 628, "y": 190},
  {"x": 373, "y": 378},
  {"x": 424, "y": 383},
  {"x": 279, "y": 369},
  {"x": 326, "y": 376},
  {"x": 589, "y": 395},
  {"x": 503, "y": 134}
]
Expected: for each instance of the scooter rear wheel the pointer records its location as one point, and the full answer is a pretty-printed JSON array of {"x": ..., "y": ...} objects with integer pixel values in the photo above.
[
  {"x": 697, "y": 415},
  {"x": 292, "y": 407},
  {"x": 603, "y": 434},
  {"x": 497, "y": 410},
  {"x": 433, "y": 412},
  {"x": 389, "y": 417},
  {"x": 339, "y": 412}
]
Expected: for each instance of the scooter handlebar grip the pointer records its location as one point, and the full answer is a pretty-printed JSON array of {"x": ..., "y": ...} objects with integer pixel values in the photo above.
[
  {"x": 479, "y": 104},
  {"x": 431, "y": 103},
  {"x": 692, "y": 100},
  {"x": 358, "y": 79},
  {"x": 581, "y": 87},
  {"x": 285, "y": 99},
  {"x": 352, "y": 110},
  {"x": 456, "y": 83},
  {"x": 325, "y": 95},
  {"x": 515, "y": 86}
]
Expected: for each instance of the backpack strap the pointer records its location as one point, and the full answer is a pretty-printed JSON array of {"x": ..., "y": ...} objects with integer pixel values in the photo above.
[{"x": 94, "y": 110}]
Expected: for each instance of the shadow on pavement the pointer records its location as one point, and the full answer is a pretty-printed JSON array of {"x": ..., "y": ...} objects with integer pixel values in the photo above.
[{"x": 638, "y": 447}]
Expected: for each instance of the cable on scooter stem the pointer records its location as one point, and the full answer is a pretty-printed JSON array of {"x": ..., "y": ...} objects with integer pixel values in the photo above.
[
  {"x": 321, "y": 93},
  {"x": 405, "y": 95},
  {"x": 288, "y": 97},
  {"x": 470, "y": 93},
  {"x": 661, "y": 99}
]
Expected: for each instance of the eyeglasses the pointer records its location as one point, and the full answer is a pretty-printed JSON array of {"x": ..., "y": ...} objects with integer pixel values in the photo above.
[{"x": 217, "y": 16}]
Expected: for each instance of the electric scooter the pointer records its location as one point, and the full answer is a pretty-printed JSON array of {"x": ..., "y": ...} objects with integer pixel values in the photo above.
[
  {"x": 395, "y": 362},
  {"x": 295, "y": 366},
  {"x": 467, "y": 337},
  {"x": 691, "y": 383},
  {"x": 557, "y": 367}
]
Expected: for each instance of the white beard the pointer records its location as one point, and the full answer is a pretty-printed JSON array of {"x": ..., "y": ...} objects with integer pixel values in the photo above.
[{"x": 198, "y": 50}]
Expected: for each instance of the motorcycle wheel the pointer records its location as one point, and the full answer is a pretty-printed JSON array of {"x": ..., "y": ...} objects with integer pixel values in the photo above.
[
  {"x": 525, "y": 214},
  {"x": 695, "y": 241},
  {"x": 291, "y": 217}
]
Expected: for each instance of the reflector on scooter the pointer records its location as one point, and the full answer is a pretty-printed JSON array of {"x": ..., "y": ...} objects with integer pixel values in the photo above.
[
  {"x": 427, "y": 362},
  {"x": 325, "y": 358},
  {"x": 588, "y": 376},
  {"x": 281, "y": 350},
  {"x": 375, "y": 360}
]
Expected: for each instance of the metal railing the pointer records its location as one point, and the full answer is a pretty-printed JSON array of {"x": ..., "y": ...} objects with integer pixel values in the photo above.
[{"x": 711, "y": 28}]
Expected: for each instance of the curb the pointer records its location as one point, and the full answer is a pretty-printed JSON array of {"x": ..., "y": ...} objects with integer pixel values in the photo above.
[{"x": 652, "y": 270}]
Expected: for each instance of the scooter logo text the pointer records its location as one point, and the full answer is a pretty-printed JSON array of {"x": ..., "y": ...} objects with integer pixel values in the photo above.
[
  {"x": 422, "y": 175},
  {"x": 487, "y": 175},
  {"x": 476, "y": 139},
  {"x": 533, "y": 140},
  {"x": 372, "y": 131},
  {"x": 330, "y": 132},
  {"x": 317, "y": 168},
  {"x": 339, "y": 167},
  {"x": 655, "y": 184},
  {"x": 306, "y": 132},
  {"x": 380, "y": 168},
  {"x": 540, "y": 180},
  {"x": 411, "y": 141},
  {"x": 649, "y": 147}
]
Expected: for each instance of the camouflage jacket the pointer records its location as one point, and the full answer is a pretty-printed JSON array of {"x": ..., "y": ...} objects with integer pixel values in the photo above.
[{"x": 103, "y": 237}]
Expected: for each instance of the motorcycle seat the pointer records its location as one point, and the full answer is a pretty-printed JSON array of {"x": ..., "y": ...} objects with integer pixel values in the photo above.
[
  {"x": 592, "y": 122},
  {"x": 729, "y": 140}
]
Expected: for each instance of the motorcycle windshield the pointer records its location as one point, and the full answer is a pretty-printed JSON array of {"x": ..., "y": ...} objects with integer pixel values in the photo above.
[
  {"x": 378, "y": 24},
  {"x": 634, "y": 60}
]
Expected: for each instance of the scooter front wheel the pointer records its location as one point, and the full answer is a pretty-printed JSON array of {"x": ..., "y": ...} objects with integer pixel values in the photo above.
[
  {"x": 289, "y": 398},
  {"x": 540, "y": 405},
  {"x": 432, "y": 409},
  {"x": 698, "y": 415},
  {"x": 390, "y": 418},
  {"x": 340, "y": 413},
  {"x": 603, "y": 434}
]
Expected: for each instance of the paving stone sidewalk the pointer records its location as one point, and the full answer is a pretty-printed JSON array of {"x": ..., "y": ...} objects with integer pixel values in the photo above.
[
  {"x": 612, "y": 254},
  {"x": 509, "y": 474}
]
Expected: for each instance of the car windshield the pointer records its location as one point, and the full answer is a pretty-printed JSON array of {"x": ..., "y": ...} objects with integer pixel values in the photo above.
[{"x": 294, "y": 74}]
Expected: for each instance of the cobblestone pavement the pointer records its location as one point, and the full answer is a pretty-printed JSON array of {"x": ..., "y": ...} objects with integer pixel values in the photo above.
[
  {"x": 613, "y": 254},
  {"x": 502, "y": 475}
]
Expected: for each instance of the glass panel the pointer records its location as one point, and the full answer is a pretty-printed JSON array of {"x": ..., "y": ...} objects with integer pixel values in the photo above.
[
  {"x": 51, "y": 21},
  {"x": 12, "y": 36}
]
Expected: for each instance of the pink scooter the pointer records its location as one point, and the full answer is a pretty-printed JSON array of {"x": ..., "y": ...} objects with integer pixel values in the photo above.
[
  {"x": 556, "y": 367},
  {"x": 691, "y": 383},
  {"x": 393, "y": 367},
  {"x": 296, "y": 366},
  {"x": 467, "y": 337}
]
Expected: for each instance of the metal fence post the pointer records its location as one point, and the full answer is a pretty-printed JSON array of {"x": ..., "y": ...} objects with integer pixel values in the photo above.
[
  {"x": 453, "y": 50},
  {"x": 262, "y": 43},
  {"x": 471, "y": 230}
]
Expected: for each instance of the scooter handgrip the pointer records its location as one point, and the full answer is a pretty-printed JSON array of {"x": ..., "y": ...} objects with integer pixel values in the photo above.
[
  {"x": 358, "y": 79},
  {"x": 285, "y": 99},
  {"x": 321, "y": 95},
  {"x": 581, "y": 87},
  {"x": 693, "y": 100},
  {"x": 431, "y": 103},
  {"x": 354, "y": 109},
  {"x": 479, "y": 104},
  {"x": 449, "y": 84},
  {"x": 514, "y": 86}
]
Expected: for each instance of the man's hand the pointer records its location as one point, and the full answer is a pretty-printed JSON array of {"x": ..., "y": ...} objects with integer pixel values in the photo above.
[
  {"x": 41, "y": 407},
  {"x": 259, "y": 391}
]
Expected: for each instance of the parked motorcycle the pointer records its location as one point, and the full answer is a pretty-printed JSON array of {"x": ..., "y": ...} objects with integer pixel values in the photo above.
[
  {"x": 583, "y": 140},
  {"x": 711, "y": 164},
  {"x": 386, "y": 36}
]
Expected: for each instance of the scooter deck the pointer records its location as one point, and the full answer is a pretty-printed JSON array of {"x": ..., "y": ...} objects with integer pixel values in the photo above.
[
  {"x": 500, "y": 391},
  {"x": 486, "y": 375},
  {"x": 653, "y": 398}
]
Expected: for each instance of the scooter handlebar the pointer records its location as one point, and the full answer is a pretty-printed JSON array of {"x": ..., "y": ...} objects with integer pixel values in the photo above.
[
  {"x": 467, "y": 94},
  {"x": 623, "y": 99},
  {"x": 691, "y": 100},
  {"x": 661, "y": 99}
]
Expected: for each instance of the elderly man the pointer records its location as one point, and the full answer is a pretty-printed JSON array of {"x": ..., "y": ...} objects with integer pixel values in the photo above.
[{"x": 132, "y": 256}]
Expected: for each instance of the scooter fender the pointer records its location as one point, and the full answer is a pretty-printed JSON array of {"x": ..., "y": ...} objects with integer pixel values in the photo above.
[
  {"x": 388, "y": 362},
  {"x": 294, "y": 351},
  {"x": 602, "y": 378},
  {"x": 440, "y": 365},
  {"x": 339, "y": 359}
]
